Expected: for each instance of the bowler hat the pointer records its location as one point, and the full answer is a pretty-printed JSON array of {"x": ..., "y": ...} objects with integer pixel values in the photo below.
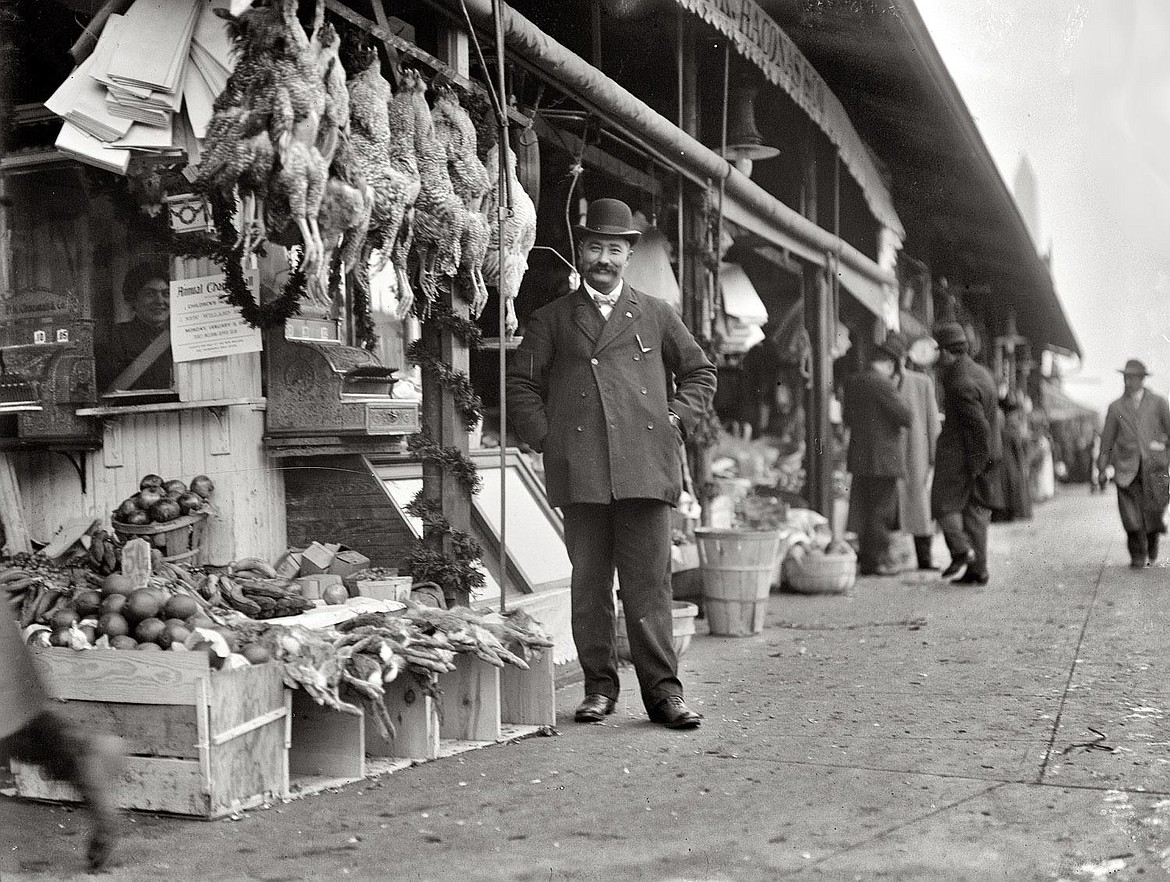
[
  {"x": 610, "y": 217},
  {"x": 949, "y": 333},
  {"x": 894, "y": 345},
  {"x": 1135, "y": 367}
]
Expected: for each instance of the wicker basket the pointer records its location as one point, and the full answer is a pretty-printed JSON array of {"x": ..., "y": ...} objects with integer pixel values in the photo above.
[
  {"x": 683, "y": 620},
  {"x": 178, "y": 540},
  {"x": 820, "y": 573}
]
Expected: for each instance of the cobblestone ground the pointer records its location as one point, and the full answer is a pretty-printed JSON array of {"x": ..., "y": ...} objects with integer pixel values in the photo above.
[{"x": 910, "y": 730}]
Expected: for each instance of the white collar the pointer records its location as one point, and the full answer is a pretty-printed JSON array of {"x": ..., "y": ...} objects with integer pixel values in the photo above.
[{"x": 594, "y": 293}]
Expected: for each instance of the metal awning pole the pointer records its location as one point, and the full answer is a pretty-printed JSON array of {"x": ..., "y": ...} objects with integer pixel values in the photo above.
[{"x": 503, "y": 210}]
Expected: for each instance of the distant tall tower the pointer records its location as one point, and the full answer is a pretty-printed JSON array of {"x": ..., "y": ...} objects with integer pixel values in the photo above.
[{"x": 1027, "y": 192}]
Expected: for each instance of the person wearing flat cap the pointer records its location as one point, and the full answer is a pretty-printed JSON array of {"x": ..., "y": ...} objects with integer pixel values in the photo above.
[
  {"x": 1134, "y": 442},
  {"x": 876, "y": 416},
  {"x": 606, "y": 384},
  {"x": 966, "y": 484}
]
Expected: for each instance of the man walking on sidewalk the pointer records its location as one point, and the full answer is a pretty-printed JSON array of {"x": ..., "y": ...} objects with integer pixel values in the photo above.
[
  {"x": 876, "y": 416},
  {"x": 1134, "y": 441},
  {"x": 969, "y": 448},
  {"x": 606, "y": 384}
]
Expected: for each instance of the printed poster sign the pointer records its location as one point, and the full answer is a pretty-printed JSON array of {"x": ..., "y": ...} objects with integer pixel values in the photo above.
[{"x": 204, "y": 326}]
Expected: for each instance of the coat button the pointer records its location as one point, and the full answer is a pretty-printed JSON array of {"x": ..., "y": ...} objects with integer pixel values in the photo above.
[
  {"x": 643, "y": 390},
  {"x": 649, "y": 425},
  {"x": 593, "y": 361},
  {"x": 580, "y": 428},
  {"x": 637, "y": 358},
  {"x": 583, "y": 394}
]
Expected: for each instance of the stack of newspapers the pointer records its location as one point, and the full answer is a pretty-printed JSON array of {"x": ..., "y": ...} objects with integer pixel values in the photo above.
[{"x": 148, "y": 85}]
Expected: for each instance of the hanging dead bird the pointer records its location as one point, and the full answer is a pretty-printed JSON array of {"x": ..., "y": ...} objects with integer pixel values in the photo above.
[
  {"x": 519, "y": 236},
  {"x": 440, "y": 217},
  {"x": 469, "y": 179}
]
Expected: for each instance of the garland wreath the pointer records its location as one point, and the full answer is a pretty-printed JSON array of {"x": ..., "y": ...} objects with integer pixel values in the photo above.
[
  {"x": 455, "y": 571},
  {"x": 457, "y": 382}
]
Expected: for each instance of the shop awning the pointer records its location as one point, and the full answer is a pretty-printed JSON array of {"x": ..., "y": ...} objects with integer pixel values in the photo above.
[
  {"x": 745, "y": 202},
  {"x": 759, "y": 39},
  {"x": 740, "y": 298},
  {"x": 650, "y": 269}
]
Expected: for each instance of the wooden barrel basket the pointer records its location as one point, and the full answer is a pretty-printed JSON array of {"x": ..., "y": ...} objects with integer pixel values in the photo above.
[
  {"x": 736, "y": 567},
  {"x": 179, "y": 540}
]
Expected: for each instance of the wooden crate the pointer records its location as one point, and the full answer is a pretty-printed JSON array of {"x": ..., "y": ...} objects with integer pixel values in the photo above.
[
  {"x": 201, "y": 742},
  {"x": 327, "y": 747}
]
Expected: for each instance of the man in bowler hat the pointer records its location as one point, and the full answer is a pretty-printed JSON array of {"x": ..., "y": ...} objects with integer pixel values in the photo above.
[
  {"x": 606, "y": 384},
  {"x": 876, "y": 416},
  {"x": 1134, "y": 441},
  {"x": 966, "y": 486}
]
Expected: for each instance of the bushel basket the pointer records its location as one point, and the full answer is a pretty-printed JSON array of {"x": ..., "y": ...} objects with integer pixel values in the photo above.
[
  {"x": 178, "y": 540},
  {"x": 822, "y": 573}
]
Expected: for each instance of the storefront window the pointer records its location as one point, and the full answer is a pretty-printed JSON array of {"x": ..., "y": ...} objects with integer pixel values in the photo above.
[{"x": 82, "y": 273}]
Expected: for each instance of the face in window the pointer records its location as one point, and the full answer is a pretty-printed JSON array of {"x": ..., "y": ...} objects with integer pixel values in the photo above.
[
  {"x": 152, "y": 303},
  {"x": 602, "y": 260}
]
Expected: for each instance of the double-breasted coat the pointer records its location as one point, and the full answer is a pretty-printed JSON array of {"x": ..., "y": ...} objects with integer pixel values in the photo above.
[
  {"x": 920, "y": 439},
  {"x": 594, "y": 396},
  {"x": 970, "y": 445}
]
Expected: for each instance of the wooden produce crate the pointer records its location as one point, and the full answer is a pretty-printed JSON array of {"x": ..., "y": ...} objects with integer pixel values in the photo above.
[
  {"x": 179, "y": 540},
  {"x": 200, "y": 742}
]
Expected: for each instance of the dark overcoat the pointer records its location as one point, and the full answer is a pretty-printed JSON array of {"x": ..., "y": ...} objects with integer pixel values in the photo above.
[
  {"x": 595, "y": 396},
  {"x": 970, "y": 445},
  {"x": 1133, "y": 434},
  {"x": 876, "y": 414},
  {"x": 21, "y": 694}
]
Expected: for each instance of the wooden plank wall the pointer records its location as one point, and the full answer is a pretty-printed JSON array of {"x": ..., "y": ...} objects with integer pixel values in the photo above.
[
  {"x": 224, "y": 443},
  {"x": 338, "y": 499}
]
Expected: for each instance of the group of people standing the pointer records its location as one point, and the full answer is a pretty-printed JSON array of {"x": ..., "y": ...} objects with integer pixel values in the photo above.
[{"x": 910, "y": 467}]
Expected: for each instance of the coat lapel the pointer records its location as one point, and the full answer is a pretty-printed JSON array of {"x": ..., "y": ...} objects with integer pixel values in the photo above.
[
  {"x": 586, "y": 315},
  {"x": 625, "y": 314}
]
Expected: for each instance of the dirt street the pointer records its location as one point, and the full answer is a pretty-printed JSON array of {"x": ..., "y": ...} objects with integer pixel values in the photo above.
[{"x": 909, "y": 731}]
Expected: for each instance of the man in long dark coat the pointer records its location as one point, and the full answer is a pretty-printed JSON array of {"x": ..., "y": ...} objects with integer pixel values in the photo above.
[
  {"x": 606, "y": 384},
  {"x": 1134, "y": 441},
  {"x": 31, "y": 732},
  {"x": 966, "y": 484},
  {"x": 876, "y": 416}
]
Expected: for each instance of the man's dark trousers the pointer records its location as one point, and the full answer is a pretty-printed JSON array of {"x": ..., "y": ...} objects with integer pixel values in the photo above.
[
  {"x": 632, "y": 535},
  {"x": 876, "y": 502},
  {"x": 966, "y": 531}
]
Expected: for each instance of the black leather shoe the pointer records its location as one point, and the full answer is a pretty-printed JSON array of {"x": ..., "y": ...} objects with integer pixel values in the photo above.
[
  {"x": 970, "y": 578},
  {"x": 594, "y": 708},
  {"x": 674, "y": 714},
  {"x": 958, "y": 567}
]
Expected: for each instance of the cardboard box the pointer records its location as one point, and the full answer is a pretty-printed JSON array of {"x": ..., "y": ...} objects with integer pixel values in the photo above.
[
  {"x": 316, "y": 559},
  {"x": 313, "y": 587},
  {"x": 289, "y": 564},
  {"x": 347, "y": 562},
  {"x": 392, "y": 588}
]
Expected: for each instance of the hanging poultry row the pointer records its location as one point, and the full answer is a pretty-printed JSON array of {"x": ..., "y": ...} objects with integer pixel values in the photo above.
[{"x": 323, "y": 153}]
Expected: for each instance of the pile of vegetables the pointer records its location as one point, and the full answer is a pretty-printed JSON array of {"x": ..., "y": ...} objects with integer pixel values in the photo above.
[{"x": 89, "y": 604}]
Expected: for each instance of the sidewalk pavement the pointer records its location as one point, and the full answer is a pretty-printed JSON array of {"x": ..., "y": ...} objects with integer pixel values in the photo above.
[{"x": 911, "y": 730}]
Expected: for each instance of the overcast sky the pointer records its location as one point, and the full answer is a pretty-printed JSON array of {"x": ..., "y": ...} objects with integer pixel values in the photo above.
[{"x": 1083, "y": 88}]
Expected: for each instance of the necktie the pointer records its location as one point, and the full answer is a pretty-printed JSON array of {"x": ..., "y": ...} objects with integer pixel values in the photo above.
[{"x": 604, "y": 301}]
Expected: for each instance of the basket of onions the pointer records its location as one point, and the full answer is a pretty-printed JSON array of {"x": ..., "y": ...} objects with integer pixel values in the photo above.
[{"x": 170, "y": 515}]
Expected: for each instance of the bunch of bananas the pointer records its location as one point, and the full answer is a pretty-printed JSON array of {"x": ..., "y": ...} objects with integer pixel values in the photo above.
[
  {"x": 262, "y": 598},
  {"x": 105, "y": 552}
]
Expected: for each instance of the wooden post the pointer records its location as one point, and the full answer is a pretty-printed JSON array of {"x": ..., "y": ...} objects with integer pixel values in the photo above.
[
  {"x": 440, "y": 414},
  {"x": 695, "y": 275},
  {"x": 12, "y": 509},
  {"x": 819, "y": 323}
]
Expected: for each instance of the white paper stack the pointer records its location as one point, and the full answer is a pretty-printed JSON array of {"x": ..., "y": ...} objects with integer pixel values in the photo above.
[{"x": 149, "y": 84}]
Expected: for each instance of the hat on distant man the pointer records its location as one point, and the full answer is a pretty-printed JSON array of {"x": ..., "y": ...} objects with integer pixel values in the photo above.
[
  {"x": 610, "y": 217},
  {"x": 950, "y": 334},
  {"x": 894, "y": 346},
  {"x": 1135, "y": 367}
]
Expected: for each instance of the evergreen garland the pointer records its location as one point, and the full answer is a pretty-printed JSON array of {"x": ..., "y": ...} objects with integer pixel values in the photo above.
[
  {"x": 455, "y": 570},
  {"x": 457, "y": 382}
]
